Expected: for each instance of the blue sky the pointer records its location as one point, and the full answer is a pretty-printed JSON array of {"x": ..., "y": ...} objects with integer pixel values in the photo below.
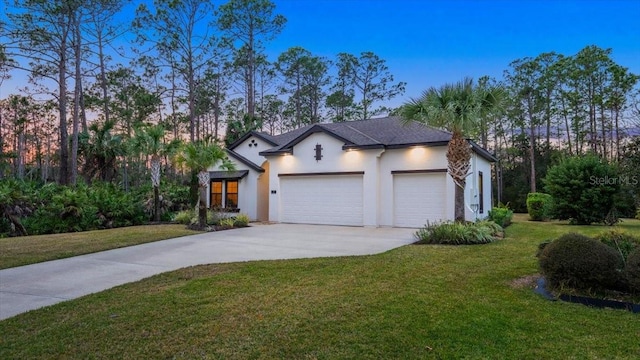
[{"x": 432, "y": 42}]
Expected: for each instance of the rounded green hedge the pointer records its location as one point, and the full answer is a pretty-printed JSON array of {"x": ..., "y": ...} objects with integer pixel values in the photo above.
[{"x": 579, "y": 262}]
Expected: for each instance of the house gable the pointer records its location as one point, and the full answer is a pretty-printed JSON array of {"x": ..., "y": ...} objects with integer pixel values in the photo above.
[{"x": 251, "y": 147}]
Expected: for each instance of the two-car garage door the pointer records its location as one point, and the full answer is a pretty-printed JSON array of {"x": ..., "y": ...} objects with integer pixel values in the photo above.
[{"x": 322, "y": 199}]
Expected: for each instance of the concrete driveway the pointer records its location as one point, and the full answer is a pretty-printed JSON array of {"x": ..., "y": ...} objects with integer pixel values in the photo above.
[{"x": 33, "y": 286}]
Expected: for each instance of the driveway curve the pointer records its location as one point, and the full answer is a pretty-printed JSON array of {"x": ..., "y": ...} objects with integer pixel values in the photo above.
[{"x": 30, "y": 287}]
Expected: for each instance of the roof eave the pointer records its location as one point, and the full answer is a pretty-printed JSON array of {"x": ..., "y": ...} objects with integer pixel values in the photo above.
[
  {"x": 312, "y": 130},
  {"x": 247, "y": 135},
  {"x": 276, "y": 152},
  {"x": 483, "y": 152},
  {"x": 245, "y": 161}
]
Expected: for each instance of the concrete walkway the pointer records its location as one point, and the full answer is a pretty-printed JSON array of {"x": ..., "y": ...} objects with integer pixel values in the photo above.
[{"x": 30, "y": 287}]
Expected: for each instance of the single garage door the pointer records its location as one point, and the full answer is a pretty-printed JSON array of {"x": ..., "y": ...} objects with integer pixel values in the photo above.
[
  {"x": 321, "y": 199},
  {"x": 418, "y": 198}
]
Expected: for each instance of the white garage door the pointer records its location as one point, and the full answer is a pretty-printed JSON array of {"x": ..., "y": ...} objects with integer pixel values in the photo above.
[
  {"x": 418, "y": 198},
  {"x": 320, "y": 199}
]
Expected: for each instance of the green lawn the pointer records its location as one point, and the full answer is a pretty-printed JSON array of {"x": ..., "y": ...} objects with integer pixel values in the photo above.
[
  {"x": 433, "y": 302},
  {"x": 26, "y": 250}
]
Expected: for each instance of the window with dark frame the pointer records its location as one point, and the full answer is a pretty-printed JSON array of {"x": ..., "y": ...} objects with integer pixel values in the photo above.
[
  {"x": 224, "y": 194},
  {"x": 480, "y": 192},
  {"x": 216, "y": 193},
  {"x": 231, "y": 198}
]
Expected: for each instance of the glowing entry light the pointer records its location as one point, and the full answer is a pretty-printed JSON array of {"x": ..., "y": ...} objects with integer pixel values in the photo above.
[{"x": 418, "y": 153}]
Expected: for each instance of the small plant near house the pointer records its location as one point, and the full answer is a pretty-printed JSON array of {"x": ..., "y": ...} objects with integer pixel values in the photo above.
[
  {"x": 538, "y": 206},
  {"x": 501, "y": 215},
  {"x": 459, "y": 233},
  {"x": 241, "y": 220},
  {"x": 226, "y": 223},
  {"x": 578, "y": 262},
  {"x": 184, "y": 217}
]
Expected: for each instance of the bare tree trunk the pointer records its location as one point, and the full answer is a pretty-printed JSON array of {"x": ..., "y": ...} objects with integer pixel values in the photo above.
[
  {"x": 532, "y": 144},
  {"x": 20, "y": 155},
  {"x": 459, "y": 203},
  {"x": 62, "y": 109},
  {"x": 567, "y": 127},
  {"x": 617, "y": 129},
  {"x": 1, "y": 142},
  {"x": 251, "y": 108},
  {"x": 103, "y": 78},
  {"x": 604, "y": 133}
]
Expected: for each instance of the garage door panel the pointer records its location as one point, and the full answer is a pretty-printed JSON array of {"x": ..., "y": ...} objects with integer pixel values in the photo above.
[
  {"x": 418, "y": 198},
  {"x": 331, "y": 200}
]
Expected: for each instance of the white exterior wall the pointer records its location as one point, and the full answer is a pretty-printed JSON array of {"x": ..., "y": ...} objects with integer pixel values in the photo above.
[
  {"x": 334, "y": 160},
  {"x": 377, "y": 165},
  {"x": 248, "y": 189},
  {"x": 252, "y": 153},
  {"x": 471, "y": 194}
]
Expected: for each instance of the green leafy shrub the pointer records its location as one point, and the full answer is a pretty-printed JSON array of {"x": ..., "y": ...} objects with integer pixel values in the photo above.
[
  {"x": 241, "y": 220},
  {"x": 115, "y": 208},
  {"x": 177, "y": 195},
  {"x": 632, "y": 271},
  {"x": 538, "y": 206},
  {"x": 501, "y": 215},
  {"x": 67, "y": 210},
  {"x": 457, "y": 233},
  {"x": 226, "y": 223},
  {"x": 184, "y": 217},
  {"x": 583, "y": 190},
  {"x": 622, "y": 242},
  {"x": 58, "y": 209},
  {"x": 638, "y": 214},
  {"x": 579, "y": 262}
]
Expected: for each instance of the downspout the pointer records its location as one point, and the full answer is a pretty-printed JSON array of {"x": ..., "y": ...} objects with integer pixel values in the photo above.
[
  {"x": 378, "y": 188},
  {"x": 474, "y": 190}
]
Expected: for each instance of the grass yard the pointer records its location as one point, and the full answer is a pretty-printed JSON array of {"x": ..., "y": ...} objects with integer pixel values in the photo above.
[
  {"x": 423, "y": 302},
  {"x": 17, "y": 251}
]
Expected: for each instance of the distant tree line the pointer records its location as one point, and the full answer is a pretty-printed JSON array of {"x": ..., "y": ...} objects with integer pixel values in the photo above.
[{"x": 199, "y": 71}]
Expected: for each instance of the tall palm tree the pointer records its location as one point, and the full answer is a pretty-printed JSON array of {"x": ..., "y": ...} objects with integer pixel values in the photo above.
[
  {"x": 150, "y": 141},
  {"x": 458, "y": 108},
  {"x": 199, "y": 157}
]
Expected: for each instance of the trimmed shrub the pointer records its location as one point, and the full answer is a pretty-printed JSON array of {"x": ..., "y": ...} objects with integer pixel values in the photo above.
[
  {"x": 457, "y": 233},
  {"x": 579, "y": 262},
  {"x": 622, "y": 242},
  {"x": 583, "y": 190},
  {"x": 241, "y": 220},
  {"x": 538, "y": 206},
  {"x": 501, "y": 215},
  {"x": 632, "y": 271}
]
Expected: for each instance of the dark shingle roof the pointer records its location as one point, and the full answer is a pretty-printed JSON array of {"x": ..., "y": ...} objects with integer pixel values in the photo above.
[
  {"x": 245, "y": 161},
  {"x": 388, "y": 132},
  {"x": 228, "y": 175}
]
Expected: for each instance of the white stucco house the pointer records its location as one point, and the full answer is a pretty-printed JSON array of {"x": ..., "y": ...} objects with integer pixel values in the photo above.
[{"x": 378, "y": 172}]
